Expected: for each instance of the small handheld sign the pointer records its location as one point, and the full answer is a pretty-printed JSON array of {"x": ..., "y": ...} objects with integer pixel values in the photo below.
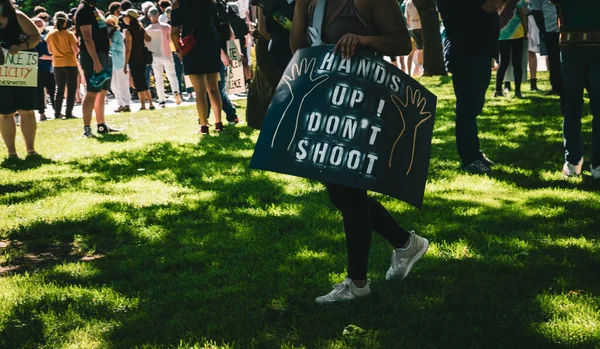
[
  {"x": 358, "y": 122},
  {"x": 20, "y": 69},
  {"x": 235, "y": 72}
]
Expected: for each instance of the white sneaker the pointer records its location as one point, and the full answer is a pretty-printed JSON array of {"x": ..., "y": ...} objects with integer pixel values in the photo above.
[
  {"x": 570, "y": 170},
  {"x": 403, "y": 259},
  {"x": 346, "y": 291},
  {"x": 595, "y": 172}
]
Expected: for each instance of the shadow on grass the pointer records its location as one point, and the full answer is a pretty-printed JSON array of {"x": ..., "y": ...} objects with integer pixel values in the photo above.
[
  {"x": 113, "y": 138},
  {"x": 28, "y": 163}
]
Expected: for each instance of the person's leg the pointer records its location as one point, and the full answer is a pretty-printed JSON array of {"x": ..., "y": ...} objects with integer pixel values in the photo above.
[
  {"x": 28, "y": 127},
  {"x": 8, "y": 128},
  {"x": 71, "y": 90},
  {"x": 51, "y": 88},
  {"x": 149, "y": 99},
  {"x": 471, "y": 79},
  {"x": 385, "y": 225},
  {"x": 200, "y": 87},
  {"x": 355, "y": 208},
  {"x": 158, "y": 67},
  {"x": 114, "y": 86},
  {"x": 228, "y": 108},
  {"x": 169, "y": 67},
  {"x": 504, "y": 47},
  {"x": 516, "y": 48},
  {"x": 409, "y": 62},
  {"x": 41, "y": 94},
  {"x": 99, "y": 106},
  {"x": 61, "y": 75},
  {"x": 574, "y": 80},
  {"x": 179, "y": 72},
  {"x": 594, "y": 94},
  {"x": 533, "y": 63},
  {"x": 88, "y": 107},
  {"x": 212, "y": 87}
]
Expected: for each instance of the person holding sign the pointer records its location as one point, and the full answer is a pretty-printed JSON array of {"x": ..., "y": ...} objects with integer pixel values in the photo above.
[
  {"x": 17, "y": 33},
  {"x": 375, "y": 25},
  {"x": 95, "y": 62}
]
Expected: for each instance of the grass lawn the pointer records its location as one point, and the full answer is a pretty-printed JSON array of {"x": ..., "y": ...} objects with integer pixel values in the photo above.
[{"x": 158, "y": 238}]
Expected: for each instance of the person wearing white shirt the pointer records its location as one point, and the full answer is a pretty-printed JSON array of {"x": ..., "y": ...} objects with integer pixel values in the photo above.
[
  {"x": 415, "y": 29},
  {"x": 163, "y": 59}
]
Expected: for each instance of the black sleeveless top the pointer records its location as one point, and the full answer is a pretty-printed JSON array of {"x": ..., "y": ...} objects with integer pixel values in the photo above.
[
  {"x": 12, "y": 34},
  {"x": 137, "y": 45}
]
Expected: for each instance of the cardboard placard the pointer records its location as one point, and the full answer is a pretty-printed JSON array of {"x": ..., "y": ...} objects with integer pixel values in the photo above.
[
  {"x": 20, "y": 69},
  {"x": 361, "y": 122},
  {"x": 236, "y": 82}
]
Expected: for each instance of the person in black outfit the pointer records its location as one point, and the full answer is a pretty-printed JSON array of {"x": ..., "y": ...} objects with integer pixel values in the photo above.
[
  {"x": 94, "y": 58},
  {"x": 17, "y": 33},
  {"x": 202, "y": 63},
  {"x": 46, "y": 80},
  {"x": 125, "y": 5},
  {"x": 135, "y": 56},
  {"x": 278, "y": 19}
]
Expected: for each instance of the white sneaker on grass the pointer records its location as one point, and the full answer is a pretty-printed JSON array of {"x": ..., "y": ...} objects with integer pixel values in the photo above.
[
  {"x": 346, "y": 291},
  {"x": 595, "y": 172},
  {"x": 403, "y": 259},
  {"x": 570, "y": 170}
]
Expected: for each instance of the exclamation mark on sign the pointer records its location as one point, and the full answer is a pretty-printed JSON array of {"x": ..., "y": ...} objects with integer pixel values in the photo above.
[{"x": 380, "y": 108}]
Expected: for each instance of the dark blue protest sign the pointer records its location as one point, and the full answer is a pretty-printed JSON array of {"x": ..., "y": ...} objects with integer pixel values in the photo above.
[{"x": 360, "y": 122}]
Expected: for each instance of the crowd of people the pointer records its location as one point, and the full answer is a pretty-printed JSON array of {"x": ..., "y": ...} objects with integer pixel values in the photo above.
[{"x": 120, "y": 49}]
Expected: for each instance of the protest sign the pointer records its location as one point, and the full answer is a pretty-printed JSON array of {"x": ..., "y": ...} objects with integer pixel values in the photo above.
[
  {"x": 20, "y": 69},
  {"x": 235, "y": 72},
  {"x": 359, "y": 122}
]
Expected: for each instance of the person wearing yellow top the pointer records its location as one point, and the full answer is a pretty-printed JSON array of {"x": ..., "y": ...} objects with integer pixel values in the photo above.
[{"x": 62, "y": 44}]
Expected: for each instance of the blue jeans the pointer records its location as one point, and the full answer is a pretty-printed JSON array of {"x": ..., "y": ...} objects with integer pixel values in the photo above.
[
  {"x": 580, "y": 69},
  {"x": 471, "y": 78},
  {"x": 180, "y": 73},
  {"x": 228, "y": 108}
]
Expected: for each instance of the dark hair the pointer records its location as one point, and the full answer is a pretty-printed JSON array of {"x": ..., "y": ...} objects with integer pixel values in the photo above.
[
  {"x": 39, "y": 9},
  {"x": 44, "y": 16},
  {"x": 134, "y": 24},
  {"x": 61, "y": 20},
  {"x": 125, "y": 5},
  {"x": 8, "y": 6},
  {"x": 163, "y": 4},
  {"x": 114, "y": 6}
]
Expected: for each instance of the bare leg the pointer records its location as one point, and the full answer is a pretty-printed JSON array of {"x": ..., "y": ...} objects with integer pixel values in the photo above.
[
  {"x": 149, "y": 98},
  {"x": 99, "y": 107},
  {"x": 142, "y": 97},
  {"x": 533, "y": 65},
  {"x": 28, "y": 127},
  {"x": 8, "y": 128},
  {"x": 88, "y": 107},
  {"x": 214, "y": 94},
  {"x": 410, "y": 62},
  {"x": 199, "y": 83}
]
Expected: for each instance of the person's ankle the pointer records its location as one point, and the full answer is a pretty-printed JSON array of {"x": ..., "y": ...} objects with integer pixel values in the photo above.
[{"x": 360, "y": 283}]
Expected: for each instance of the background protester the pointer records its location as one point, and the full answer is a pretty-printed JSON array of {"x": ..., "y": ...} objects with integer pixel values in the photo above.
[
  {"x": 163, "y": 59},
  {"x": 164, "y": 6},
  {"x": 266, "y": 74},
  {"x": 125, "y": 5},
  {"x": 120, "y": 79},
  {"x": 202, "y": 63},
  {"x": 279, "y": 18},
  {"x": 534, "y": 50},
  {"x": 377, "y": 26},
  {"x": 547, "y": 21},
  {"x": 413, "y": 19},
  {"x": 95, "y": 62},
  {"x": 513, "y": 30},
  {"x": 46, "y": 80},
  {"x": 145, "y": 19},
  {"x": 62, "y": 45},
  {"x": 226, "y": 33},
  {"x": 579, "y": 28},
  {"x": 468, "y": 52},
  {"x": 136, "y": 56},
  {"x": 114, "y": 9},
  {"x": 17, "y": 33}
]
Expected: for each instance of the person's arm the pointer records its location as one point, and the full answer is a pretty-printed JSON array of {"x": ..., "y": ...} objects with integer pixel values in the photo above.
[
  {"x": 298, "y": 37},
  {"x": 127, "y": 48},
  {"x": 524, "y": 21},
  {"x": 49, "y": 42},
  {"x": 490, "y": 6},
  {"x": 86, "y": 33},
  {"x": 175, "y": 29},
  {"x": 393, "y": 38},
  {"x": 147, "y": 37},
  {"x": 30, "y": 30},
  {"x": 73, "y": 44}
]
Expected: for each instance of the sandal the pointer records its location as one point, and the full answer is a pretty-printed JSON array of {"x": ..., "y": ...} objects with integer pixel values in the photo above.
[
  {"x": 13, "y": 156},
  {"x": 32, "y": 154}
]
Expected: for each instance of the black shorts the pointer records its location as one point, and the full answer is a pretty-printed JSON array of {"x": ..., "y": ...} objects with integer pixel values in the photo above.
[
  {"x": 138, "y": 75},
  {"x": 14, "y": 98},
  {"x": 417, "y": 35},
  {"x": 87, "y": 64}
]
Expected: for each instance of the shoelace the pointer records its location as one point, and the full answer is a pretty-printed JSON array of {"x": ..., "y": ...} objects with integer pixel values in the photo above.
[{"x": 340, "y": 287}]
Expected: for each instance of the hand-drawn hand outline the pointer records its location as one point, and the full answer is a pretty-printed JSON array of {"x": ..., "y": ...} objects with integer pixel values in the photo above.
[
  {"x": 305, "y": 68},
  {"x": 413, "y": 99}
]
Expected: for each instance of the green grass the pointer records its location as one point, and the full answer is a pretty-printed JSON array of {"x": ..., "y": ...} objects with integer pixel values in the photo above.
[{"x": 158, "y": 238}]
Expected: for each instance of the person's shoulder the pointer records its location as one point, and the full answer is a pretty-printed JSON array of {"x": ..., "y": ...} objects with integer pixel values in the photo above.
[{"x": 175, "y": 4}]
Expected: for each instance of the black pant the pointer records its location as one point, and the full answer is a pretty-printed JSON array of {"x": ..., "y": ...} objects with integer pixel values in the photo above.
[
  {"x": 552, "y": 40},
  {"x": 363, "y": 215},
  {"x": 65, "y": 76},
  {"x": 45, "y": 80},
  {"x": 510, "y": 50}
]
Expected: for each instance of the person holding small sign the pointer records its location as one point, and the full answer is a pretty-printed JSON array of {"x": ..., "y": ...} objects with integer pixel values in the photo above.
[
  {"x": 17, "y": 33},
  {"x": 375, "y": 25}
]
